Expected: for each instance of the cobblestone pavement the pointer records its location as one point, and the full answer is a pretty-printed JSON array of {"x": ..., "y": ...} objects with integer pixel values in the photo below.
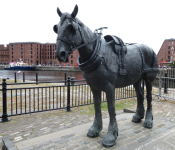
[{"x": 25, "y": 127}]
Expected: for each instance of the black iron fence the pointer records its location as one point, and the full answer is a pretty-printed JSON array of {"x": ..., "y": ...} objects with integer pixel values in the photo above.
[{"x": 45, "y": 96}]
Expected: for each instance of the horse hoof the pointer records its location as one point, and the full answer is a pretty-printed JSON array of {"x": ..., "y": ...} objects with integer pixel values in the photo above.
[
  {"x": 109, "y": 144},
  {"x": 148, "y": 124},
  {"x": 110, "y": 139},
  {"x": 136, "y": 120},
  {"x": 92, "y": 135},
  {"x": 94, "y": 132}
]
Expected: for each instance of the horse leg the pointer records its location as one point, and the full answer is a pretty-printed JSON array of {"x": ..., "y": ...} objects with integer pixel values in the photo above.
[
  {"x": 97, "y": 125},
  {"x": 140, "y": 111},
  {"x": 149, "y": 115},
  {"x": 111, "y": 136}
]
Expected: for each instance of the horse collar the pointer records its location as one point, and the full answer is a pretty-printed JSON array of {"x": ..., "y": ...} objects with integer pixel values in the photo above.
[{"x": 94, "y": 61}]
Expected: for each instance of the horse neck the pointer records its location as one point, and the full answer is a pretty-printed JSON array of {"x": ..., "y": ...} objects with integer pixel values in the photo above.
[{"x": 86, "y": 51}]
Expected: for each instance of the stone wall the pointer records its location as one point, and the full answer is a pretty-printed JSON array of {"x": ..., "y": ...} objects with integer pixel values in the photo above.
[{"x": 59, "y": 68}]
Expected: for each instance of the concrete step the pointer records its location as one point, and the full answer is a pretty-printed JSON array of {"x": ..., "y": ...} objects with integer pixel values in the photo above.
[{"x": 131, "y": 136}]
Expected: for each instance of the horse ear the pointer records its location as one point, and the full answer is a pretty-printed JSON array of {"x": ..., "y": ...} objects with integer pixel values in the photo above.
[
  {"x": 75, "y": 11},
  {"x": 55, "y": 28},
  {"x": 59, "y": 12}
]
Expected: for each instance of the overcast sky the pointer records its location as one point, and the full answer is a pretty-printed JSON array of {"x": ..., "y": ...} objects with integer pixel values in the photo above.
[{"x": 134, "y": 21}]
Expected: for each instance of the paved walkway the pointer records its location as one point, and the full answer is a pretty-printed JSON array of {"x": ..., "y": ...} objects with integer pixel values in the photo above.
[{"x": 62, "y": 130}]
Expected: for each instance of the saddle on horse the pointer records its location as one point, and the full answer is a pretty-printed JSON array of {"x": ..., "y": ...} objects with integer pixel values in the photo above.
[{"x": 120, "y": 49}]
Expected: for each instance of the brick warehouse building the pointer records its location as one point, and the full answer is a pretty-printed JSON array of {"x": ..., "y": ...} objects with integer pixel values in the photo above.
[
  {"x": 33, "y": 53},
  {"x": 166, "y": 53},
  {"x": 4, "y": 54}
]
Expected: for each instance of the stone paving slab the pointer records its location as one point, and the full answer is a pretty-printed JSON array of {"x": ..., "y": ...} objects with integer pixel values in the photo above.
[{"x": 132, "y": 136}]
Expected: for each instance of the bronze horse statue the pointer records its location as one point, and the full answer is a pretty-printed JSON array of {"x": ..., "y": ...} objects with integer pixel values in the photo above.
[{"x": 107, "y": 63}]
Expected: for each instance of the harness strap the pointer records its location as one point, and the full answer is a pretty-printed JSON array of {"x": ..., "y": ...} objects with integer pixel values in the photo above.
[
  {"x": 143, "y": 61},
  {"x": 68, "y": 42}
]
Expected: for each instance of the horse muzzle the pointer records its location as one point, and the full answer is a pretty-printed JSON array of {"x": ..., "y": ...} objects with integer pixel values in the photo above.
[{"x": 63, "y": 57}]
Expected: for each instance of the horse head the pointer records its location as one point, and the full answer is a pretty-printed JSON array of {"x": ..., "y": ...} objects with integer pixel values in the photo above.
[{"x": 68, "y": 30}]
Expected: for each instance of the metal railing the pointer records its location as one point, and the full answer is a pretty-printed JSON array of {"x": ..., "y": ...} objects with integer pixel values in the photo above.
[
  {"x": 164, "y": 87},
  {"x": 46, "y": 96}
]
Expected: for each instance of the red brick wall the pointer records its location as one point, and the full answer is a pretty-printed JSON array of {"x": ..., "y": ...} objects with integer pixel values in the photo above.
[
  {"x": 167, "y": 50},
  {"x": 37, "y": 53},
  {"x": 4, "y": 54}
]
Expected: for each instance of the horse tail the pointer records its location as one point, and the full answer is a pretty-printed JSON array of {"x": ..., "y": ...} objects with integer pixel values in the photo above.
[{"x": 154, "y": 63}]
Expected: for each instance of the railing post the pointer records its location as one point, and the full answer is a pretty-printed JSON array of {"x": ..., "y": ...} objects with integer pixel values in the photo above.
[
  {"x": 15, "y": 77},
  {"x": 23, "y": 77},
  {"x": 36, "y": 78},
  {"x": 72, "y": 80},
  {"x": 68, "y": 94},
  {"x": 65, "y": 77},
  {"x": 4, "y": 97},
  {"x": 165, "y": 84},
  {"x": 160, "y": 86}
]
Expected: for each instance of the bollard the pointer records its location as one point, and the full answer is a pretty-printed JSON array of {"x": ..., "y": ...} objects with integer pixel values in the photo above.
[
  {"x": 36, "y": 78},
  {"x": 4, "y": 96},
  {"x": 165, "y": 84},
  {"x": 72, "y": 80},
  {"x": 65, "y": 77},
  {"x": 68, "y": 94},
  {"x": 15, "y": 77},
  {"x": 23, "y": 77}
]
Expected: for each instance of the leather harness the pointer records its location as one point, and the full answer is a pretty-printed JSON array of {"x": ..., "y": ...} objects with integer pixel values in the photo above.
[{"x": 94, "y": 61}]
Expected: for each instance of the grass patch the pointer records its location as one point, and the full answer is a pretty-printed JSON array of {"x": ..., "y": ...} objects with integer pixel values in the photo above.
[{"x": 119, "y": 105}]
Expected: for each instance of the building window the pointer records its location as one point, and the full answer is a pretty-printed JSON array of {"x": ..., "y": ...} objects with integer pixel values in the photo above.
[
  {"x": 21, "y": 56},
  {"x": 31, "y": 44},
  {"x": 31, "y": 57},
  {"x": 168, "y": 52},
  {"x": 71, "y": 56},
  {"x": 50, "y": 57},
  {"x": 12, "y": 45},
  {"x": 31, "y": 48},
  {"x": 21, "y": 52},
  {"x": 71, "y": 61},
  {"x": 53, "y": 53},
  {"x": 12, "y": 52},
  {"x": 168, "y": 57},
  {"x": 12, "y": 56},
  {"x": 31, "y": 61},
  {"x": 12, "y": 49},
  {"x": 168, "y": 47},
  {"x": 21, "y": 44},
  {"x": 37, "y": 48},
  {"x": 45, "y": 57},
  {"x": 31, "y": 52},
  {"x": 168, "y": 43},
  {"x": 21, "y": 48},
  {"x": 37, "y": 56}
]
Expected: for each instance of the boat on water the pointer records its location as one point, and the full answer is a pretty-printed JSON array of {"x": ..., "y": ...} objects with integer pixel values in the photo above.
[{"x": 19, "y": 66}]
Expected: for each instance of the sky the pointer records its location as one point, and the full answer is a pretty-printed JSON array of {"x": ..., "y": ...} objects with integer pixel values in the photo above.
[{"x": 147, "y": 22}]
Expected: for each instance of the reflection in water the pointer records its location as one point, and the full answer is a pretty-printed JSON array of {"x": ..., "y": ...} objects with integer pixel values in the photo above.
[{"x": 42, "y": 75}]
